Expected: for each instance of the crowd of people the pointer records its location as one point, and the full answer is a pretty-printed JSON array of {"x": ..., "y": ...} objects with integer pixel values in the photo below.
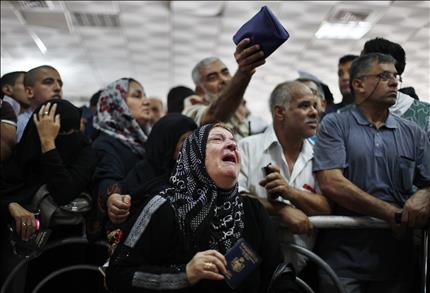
[{"x": 173, "y": 189}]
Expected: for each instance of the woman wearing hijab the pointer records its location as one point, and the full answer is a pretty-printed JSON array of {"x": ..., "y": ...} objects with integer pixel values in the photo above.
[
  {"x": 150, "y": 175},
  {"x": 179, "y": 240},
  {"x": 123, "y": 116},
  {"x": 52, "y": 151}
]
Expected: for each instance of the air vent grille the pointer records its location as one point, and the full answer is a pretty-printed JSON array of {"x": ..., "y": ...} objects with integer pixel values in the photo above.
[
  {"x": 30, "y": 4},
  {"x": 349, "y": 16},
  {"x": 95, "y": 20}
]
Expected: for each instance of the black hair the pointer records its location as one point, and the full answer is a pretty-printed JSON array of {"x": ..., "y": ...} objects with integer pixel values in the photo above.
[
  {"x": 176, "y": 97},
  {"x": 10, "y": 78},
  {"x": 30, "y": 76},
  {"x": 410, "y": 91},
  {"x": 362, "y": 65},
  {"x": 347, "y": 58},
  {"x": 95, "y": 98},
  {"x": 384, "y": 46}
]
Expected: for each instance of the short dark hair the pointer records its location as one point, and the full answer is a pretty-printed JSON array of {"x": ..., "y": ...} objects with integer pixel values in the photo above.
[
  {"x": 30, "y": 76},
  {"x": 362, "y": 65},
  {"x": 95, "y": 98},
  {"x": 11, "y": 77},
  {"x": 176, "y": 97},
  {"x": 347, "y": 58},
  {"x": 384, "y": 46}
]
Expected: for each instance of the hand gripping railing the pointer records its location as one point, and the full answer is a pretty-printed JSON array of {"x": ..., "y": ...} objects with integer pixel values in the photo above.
[{"x": 343, "y": 222}]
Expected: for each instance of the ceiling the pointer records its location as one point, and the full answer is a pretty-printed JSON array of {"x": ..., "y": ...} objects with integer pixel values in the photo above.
[{"x": 93, "y": 43}]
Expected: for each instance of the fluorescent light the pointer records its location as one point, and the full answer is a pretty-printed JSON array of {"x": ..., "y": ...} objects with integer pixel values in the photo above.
[
  {"x": 349, "y": 30},
  {"x": 39, "y": 43}
]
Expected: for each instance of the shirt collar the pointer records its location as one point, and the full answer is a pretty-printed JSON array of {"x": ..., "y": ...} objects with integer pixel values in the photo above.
[
  {"x": 269, "y": 137},
  {"x": 390, "y": 122}
]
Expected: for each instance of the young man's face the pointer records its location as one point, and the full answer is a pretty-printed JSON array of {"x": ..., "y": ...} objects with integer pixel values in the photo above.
[
  {"x": 343, "y": 78},
  {"x": 48, "y": 86},
  {"x": 19, "y": 92}
]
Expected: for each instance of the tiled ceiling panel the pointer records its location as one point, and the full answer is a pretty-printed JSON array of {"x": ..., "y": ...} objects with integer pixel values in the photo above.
[{"x": 159, "y": 42}]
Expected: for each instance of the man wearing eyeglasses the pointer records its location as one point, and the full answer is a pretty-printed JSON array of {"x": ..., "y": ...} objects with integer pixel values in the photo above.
[
  {"x": 405, "y": 106},
  {"x": 367, "y": 161}
]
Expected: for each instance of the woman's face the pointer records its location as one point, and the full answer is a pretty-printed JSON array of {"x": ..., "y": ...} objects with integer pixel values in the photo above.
[
  {"x": 179, "y": 144},
  {"x": 138, "y": 103},
  {"x": 222, "y": 158}
]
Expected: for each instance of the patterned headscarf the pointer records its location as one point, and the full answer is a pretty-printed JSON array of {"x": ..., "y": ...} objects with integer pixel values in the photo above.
[
  {"x": 114, "y": 118},
  {"x": 207, "y": 215}
]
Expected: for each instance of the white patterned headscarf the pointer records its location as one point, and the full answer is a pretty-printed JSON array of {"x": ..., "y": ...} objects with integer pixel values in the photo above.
[
  {"x": 207, "y": 215},
  {"x": 114, "y": 118}
]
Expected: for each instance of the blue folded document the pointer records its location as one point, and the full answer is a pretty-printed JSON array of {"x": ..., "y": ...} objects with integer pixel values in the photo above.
[
  {"x": 241, "y": 261},
  {"x": 263, "y": 29}
]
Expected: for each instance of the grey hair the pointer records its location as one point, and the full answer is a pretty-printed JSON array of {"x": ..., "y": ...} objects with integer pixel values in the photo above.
[
  {"x": 319, "y": 87},
  {"x": 364, "y": 63},
  {"x": 195, "y": 74},
  {"x": 282, "y": 94}
]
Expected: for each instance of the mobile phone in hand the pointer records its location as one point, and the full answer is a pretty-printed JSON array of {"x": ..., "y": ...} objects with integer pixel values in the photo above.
[{"x": 267, "y": 171}]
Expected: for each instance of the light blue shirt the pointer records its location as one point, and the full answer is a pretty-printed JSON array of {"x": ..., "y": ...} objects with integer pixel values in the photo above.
[{"x": 22, "y": 123}]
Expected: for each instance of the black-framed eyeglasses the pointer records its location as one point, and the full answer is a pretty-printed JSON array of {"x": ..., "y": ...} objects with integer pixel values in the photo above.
[{"x": 385, "y": 76}]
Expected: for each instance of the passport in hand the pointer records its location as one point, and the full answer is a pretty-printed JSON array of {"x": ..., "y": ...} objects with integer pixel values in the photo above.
[{"x": 241, "y": 261}]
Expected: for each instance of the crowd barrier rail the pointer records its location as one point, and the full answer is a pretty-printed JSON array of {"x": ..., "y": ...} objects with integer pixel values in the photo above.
[
  {"x": 344, "y": 222},
  {"x": 319, "y": 222}
]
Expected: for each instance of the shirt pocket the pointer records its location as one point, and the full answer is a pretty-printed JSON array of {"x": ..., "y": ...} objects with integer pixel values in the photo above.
[{"x": 407, "y": 173}]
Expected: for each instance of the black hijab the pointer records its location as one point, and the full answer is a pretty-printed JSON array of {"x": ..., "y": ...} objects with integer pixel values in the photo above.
[
  {"x": 153, "y": 172},
  {"x": 208, "y": 217},
  {"x": 21, "y": 175}
]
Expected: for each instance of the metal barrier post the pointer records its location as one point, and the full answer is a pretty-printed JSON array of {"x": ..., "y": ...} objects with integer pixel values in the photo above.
[{"x": 424, "y": 269}]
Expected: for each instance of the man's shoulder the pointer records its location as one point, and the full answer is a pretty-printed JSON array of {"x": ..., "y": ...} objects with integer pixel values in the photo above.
[
  {"x": 195, "y": 112},
  {"x": 7, "y": 113},
  {"x": 254, "y": 141},
  {"x": 336, "y": 118},
  {"x": 406, "y": 123}
]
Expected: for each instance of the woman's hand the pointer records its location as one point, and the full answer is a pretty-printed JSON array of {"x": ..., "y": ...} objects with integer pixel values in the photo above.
[
  {"x": 118, "y": 207},
  {"x": 208, "y": 264},
  {"x": 25, "y": 222},
  {"x": 48, "y": 126}
]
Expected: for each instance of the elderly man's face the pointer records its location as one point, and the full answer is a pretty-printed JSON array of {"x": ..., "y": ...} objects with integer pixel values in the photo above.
[
  {"x": 157, "y": 109},
  {"x": 317, "y": 92},
  {"x": 301, "y": 117},
  {"x": 214, "y": 78}
]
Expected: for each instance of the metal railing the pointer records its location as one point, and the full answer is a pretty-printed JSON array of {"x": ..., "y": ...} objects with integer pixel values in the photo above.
[
  {"x": 344, "y": 222},
  {"x": 50, "y": 246}
]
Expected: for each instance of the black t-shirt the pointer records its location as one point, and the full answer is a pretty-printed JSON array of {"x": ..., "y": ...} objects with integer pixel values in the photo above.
[{"x": 7, "y": 113}]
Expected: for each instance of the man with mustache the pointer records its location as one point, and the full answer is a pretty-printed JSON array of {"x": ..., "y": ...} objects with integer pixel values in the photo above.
[
  {"x": 367, "y": 161},
  {"x": 218, "y": 94},
  {"x": 290, "y": 191},
  {"x": 41, "y": 84}
]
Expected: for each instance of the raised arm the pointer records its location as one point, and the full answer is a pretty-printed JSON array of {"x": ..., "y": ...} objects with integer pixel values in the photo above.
[{"x": 248, "y": 59}]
